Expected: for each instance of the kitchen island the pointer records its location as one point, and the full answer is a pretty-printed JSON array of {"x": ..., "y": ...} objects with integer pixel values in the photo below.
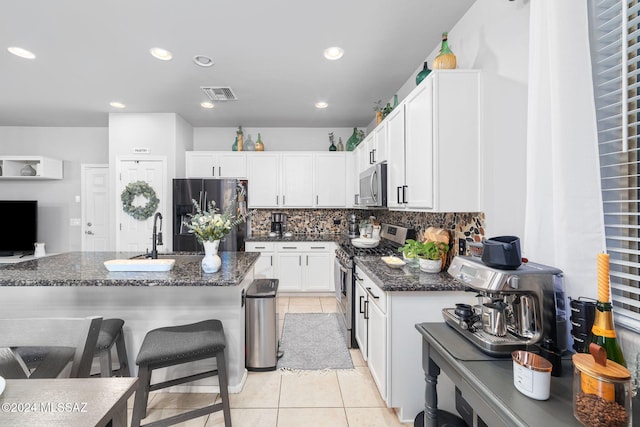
[{"x": 77, "y": 284}]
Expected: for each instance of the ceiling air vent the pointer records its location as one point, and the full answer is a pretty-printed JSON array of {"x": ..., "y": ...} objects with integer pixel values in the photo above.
[{"x": 218, "y": 94}]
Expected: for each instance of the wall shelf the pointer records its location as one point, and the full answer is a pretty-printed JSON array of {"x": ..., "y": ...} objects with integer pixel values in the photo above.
[{"x": 45, "y": 167}]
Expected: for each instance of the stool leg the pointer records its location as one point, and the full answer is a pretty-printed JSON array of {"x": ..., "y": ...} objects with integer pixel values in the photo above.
[
  {"x": 123, "y": 359},
  {"x": 142, "y": 395},
  {"x": 223, "y": 382},
  {"x": 105, "y": 363}
]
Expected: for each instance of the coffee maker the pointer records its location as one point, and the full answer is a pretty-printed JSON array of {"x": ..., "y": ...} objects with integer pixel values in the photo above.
[
  {"x": 278, "y": 223},
  {"x": 516, "y": 308}
]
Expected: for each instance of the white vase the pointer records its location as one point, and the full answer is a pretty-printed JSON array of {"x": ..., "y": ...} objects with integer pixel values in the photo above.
[
  {"x": 211, "y": 262},
  {"x": 430, "y": 265}
]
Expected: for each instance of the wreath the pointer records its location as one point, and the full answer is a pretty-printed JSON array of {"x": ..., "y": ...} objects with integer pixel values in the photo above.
[{"x": 139, "y": 188}]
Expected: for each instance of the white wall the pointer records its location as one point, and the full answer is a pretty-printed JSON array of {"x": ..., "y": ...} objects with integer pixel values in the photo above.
[
  {"x": 56, "y": 198},
  {"x": 274, "y": 139}
]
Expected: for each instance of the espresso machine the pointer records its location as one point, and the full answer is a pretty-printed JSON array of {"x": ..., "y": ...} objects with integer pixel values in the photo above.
[
  {"x": 516, "y": 308},
  {"x": 278, "y": 223}
]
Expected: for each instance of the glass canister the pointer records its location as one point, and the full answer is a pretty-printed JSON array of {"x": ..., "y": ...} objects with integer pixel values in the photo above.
[{"x": 601, "y": 390}]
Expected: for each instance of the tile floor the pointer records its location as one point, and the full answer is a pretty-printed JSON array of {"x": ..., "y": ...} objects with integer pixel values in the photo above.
[{"x": 282, "y": 399}]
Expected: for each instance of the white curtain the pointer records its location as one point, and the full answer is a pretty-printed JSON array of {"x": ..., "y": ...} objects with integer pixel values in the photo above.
[{"x": 563, "y": 217}]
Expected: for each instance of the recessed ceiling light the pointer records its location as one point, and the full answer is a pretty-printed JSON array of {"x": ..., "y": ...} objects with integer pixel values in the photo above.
[
  {"x": 116, "y": 104},
  {"x": 160, "y": 53},
  {"x": 22, "y": 53},
  {"x": 207, "y": 104},
  {"x": 333, "y": 53},
  {"x": 321, "y": 104},
  {"x": 203, "y": 61}
]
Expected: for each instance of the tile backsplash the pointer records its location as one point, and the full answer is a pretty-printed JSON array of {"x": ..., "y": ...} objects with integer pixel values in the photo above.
[{"x": 468, "y": 225}]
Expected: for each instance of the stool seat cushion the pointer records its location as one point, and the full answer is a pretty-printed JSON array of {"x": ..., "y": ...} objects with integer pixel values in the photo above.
[
  {"x": 109, "y": 330},
  {"x": 179, "y": 342}
]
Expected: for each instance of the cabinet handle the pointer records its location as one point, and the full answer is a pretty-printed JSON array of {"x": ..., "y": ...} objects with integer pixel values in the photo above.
[
  {"x": 289, "y": 247},
  {"x": 366, "y": 310},
  {"x": 307, "y": 260},
  {"x": 404, "y": 194},
  {"x": 300, "y": 260},
  {"x": 360, "y": 309},
  {"x": 371, "y": 293},
  {"x": 370, "y": 157},
  {"x": 398, "y": 194},
  {"x": 261, "y": 247},
  {"x": 317, "y": 247},
  {"x": 373, "y": 152},
  {"x": 219, "y": 170},
  {"x": 355, "y": 199},
  {"x": 271, "y": 260},
  {"x": 317, "y": 200},
  {"x": 355, "y": 276},
  {"x": 213, "y": 171},
  {"x": 277, "y": 200}
]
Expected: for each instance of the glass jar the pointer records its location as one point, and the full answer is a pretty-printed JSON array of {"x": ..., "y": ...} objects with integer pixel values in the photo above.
[{"x": 601, "y": 392}]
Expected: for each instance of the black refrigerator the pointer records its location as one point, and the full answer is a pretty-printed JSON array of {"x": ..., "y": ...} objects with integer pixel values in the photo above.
[{"x": 224, "y": 192}]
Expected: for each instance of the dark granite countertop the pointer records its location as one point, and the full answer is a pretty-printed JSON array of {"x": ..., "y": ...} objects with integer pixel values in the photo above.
[
  {"x": 303, "y": 237},
  {"x": 87, "y": 269},
  {"x": 406, "y": 278}
]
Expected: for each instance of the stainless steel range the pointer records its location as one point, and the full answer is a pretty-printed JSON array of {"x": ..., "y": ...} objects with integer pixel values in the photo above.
[{"x": 391, "y": 238}]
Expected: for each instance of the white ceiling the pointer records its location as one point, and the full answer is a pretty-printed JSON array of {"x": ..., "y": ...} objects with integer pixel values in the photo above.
[{"x": 268, "y": 51}]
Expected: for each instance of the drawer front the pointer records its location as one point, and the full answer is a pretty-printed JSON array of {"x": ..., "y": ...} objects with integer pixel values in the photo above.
[
  {"x": 259, "y": 246},
  {"x": 305, "y": 246}
]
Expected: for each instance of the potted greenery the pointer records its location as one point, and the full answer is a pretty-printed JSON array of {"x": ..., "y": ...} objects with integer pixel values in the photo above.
[{"x": 429, "y": 254}]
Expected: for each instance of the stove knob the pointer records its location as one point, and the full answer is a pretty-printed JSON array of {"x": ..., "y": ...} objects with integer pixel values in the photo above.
[{"x": 514, "y": 282}]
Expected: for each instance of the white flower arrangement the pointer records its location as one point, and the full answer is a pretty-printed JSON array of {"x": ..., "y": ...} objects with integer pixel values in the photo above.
[{"x": 211, "y": 225}]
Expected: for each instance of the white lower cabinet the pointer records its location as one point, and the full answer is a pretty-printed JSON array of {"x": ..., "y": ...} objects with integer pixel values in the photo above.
[
  {"x": 299, "y": 266},
  {"x": 391, "y": 345},
  {"x": 371, "y": 328},
  {"x": 264, "y": 266}
]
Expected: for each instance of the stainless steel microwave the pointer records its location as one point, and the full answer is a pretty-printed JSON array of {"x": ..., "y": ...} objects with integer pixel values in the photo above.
[{"x": 373, "y": 186}]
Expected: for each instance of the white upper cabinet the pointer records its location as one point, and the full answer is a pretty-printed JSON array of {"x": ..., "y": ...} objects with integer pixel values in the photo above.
[
  {"x": 215, "y": 164},
  {"x": 378, "y": 144},
  {"x": 395, "y": 164},
  {"x": 330, "y": 187},
  {"x": 441, "y": 159},
  {"x": 264, "y": 180},
  {"x": 296, "y": 180}
]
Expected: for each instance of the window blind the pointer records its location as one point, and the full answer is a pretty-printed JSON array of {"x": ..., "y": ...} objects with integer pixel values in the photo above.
[{"x": 615, "y": 52}]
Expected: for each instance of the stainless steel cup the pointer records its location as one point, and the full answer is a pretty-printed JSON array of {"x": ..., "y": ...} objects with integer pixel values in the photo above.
[{"x": 494, "y": 319}]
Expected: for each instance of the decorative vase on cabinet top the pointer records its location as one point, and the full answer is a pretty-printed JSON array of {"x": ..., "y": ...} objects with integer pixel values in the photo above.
[
  {"x": 259, "y": 144},
  {"x": 340, "y": 146},
  {"x": 353, "y": 140},
  {"x": 422, "y": 74},
  {"x": 249, "y": 145},
  {"x": 234, "y": 147},
  {"x": 240, "y": 137},
  {"x": 445, "y": 60}
]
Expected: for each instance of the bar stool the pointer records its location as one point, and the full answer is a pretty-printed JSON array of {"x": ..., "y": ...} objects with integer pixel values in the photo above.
[
  {"x": 175, "y": 345},
  {"x": 110, "y": 334}
]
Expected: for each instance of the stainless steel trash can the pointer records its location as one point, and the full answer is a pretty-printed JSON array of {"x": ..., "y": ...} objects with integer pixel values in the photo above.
[{"x": 261, "y": 320}]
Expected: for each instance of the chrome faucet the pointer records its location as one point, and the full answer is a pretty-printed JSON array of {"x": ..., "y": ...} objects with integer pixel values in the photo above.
[{"x": 156, "y": 238}]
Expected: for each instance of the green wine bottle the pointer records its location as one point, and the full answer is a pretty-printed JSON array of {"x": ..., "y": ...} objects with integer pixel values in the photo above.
[{"x": 603, "y": 332}]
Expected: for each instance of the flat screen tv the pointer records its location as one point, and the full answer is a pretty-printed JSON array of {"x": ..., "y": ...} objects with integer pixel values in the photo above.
[{"x": 18, "y": 226}]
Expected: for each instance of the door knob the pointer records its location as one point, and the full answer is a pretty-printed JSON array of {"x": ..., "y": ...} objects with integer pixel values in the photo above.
[
  {"x": 88, "y": 232},
  {"x": 89, "y": 224}
]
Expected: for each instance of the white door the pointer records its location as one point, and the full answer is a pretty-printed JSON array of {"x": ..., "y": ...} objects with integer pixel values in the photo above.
[
  {"x": 360, "y": 302},
  {"x": 95, "y": 211},
  {"x": 297, "y": 180},
  {"x": 264, "y": 190},
  {"x": 135, "y": 235},
  {"x": 419, "y": 148},
  {"x": 395, "y": 166},
  {"x": 377, "y": 347},
  {"x": 330, "y": 180},
  {"x": 289, "y": 271},
  {"x": 318, "y": 271}
]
